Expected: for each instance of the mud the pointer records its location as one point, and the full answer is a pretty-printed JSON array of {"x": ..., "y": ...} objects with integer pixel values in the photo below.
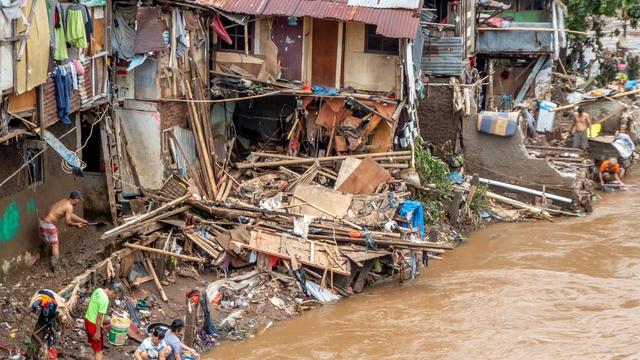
[{"x": 561, "y": 290}]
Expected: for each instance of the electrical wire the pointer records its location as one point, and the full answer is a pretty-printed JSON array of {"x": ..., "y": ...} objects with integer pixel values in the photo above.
[
  {"x": 64, "y": 164},
  {"x": 33, "y": 158}
]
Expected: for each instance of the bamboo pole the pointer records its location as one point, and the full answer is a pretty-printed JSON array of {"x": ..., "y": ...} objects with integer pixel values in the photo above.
[
  {"x": 302, "y": 161},
  {"x": 156, "y": 280},
  {"x": 201, "y": 144},
  {"x": 162, "y": 252},
  {"x": 139, "y": 219},
  {"x": 569, "y": 106}
]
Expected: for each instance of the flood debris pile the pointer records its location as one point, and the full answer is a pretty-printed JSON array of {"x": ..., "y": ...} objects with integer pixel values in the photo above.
[{"x": 287, "y": 234}]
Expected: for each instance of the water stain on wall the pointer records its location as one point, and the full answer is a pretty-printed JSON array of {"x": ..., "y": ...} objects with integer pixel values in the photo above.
[{"x": 10, "y": 222}]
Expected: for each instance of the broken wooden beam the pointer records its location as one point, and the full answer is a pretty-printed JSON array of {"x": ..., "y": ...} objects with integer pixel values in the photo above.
[
  {"x": 163, "y": 252},
  {"x": 303, "y": 161},
  {"x": 156, "y": 280},
  {"x": 139, "y": 219}
]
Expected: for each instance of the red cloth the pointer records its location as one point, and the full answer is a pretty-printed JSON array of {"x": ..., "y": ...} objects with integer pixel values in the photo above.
[
  {"x": 218, "y": 27},
  {"x": 96, "y": 345}
]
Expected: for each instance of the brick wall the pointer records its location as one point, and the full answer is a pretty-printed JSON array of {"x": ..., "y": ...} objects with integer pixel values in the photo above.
[{"x": 173, "y": 113}]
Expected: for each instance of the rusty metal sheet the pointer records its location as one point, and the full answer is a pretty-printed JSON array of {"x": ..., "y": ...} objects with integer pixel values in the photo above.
[
  {"x": 149, "y": 30},
  {"x": 387, "y": 4},
  {"x": 442, "y": 56},
  {"x": 280, "y": 7},
  {"x": 391, "y": 22}
]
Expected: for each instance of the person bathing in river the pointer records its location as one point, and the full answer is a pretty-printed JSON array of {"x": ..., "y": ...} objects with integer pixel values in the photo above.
[
  {"x": 61, "y": 209},
  {"x": 581, "y": 125},
  {"x": 610, "y": 170}
]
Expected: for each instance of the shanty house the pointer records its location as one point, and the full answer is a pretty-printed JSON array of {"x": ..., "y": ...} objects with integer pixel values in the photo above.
[
  {"x": 53, "y": 93},
  {"x": 358, "y": 44}
]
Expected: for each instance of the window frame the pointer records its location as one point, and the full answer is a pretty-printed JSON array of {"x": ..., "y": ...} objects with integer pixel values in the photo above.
[
  {"x": 251, "y": 33},
  {"x": 32, "y": 180},
  {"x": 368, "y": 28}
]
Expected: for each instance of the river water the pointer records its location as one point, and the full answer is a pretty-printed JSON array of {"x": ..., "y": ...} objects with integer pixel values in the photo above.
[{"x": 563, "y": 290}]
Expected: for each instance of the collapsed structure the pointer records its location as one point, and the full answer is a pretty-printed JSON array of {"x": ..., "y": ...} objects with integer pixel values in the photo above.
[{"x": 272, "y": 143}]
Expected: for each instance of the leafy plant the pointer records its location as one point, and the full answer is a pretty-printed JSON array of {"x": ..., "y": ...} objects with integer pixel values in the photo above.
[
  {"x": 592, "y": 15},
  {"x": 433, "y": 173}
]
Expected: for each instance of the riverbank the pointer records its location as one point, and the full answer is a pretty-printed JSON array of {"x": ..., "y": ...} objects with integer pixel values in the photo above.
[
  {"x": 250, "y": 262},
  {"x": 565, "y": 289}
]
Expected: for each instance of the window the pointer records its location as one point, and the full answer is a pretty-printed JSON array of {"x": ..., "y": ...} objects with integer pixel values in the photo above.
[
  {"x": 35, "y": 167},
  {"x": 530, "y": 5},
  {"x": 236, "y": 33},
  {"x": 375, "y": 43}
]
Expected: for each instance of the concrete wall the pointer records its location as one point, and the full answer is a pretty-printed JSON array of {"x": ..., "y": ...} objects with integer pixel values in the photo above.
[
  {"x": 506, "y": 159},
  {"x": 367, "y": 71},
  {"x": 439, "y": 124},
  {"x": 20, "y": 206}
]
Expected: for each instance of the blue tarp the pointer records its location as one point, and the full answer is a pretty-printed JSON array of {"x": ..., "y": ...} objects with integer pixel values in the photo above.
[{"x": 414, "y": 213}]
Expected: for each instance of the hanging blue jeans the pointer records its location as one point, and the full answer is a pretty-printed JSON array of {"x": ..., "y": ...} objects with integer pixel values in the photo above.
[{"x": 64, "y": 84}]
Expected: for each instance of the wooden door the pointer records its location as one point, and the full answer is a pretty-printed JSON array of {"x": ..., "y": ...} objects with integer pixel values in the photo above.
[
  {"x": 324, "y": 53},
  {"x": 289, "y": 40}
]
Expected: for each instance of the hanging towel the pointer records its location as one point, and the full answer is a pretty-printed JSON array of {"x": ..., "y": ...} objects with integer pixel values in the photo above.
[
  {"x": 124, "y": 36},
  {"x": 60, "y": 48},
  {"x": 76, "y": 33},
  {"x": 182, "y": 36},
  {"x": 218, "y": 27}
]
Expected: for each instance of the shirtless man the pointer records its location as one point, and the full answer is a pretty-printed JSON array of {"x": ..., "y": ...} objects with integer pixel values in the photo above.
[
  {"x": 61, "y": 209},
  {"x": 581, "y": 124}
]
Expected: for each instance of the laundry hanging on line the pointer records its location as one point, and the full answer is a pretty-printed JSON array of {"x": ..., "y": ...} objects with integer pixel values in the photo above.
[{"x": 64, "y": 86}]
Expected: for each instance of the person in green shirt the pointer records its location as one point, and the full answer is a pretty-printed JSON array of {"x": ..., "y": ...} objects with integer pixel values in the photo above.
[{"x": 96, "y": 311}]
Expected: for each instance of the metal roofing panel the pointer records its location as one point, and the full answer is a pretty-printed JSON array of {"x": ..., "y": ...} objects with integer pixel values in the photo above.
[
  {"x": 386, "y": 4},
  {"x": 280, "y": 7},
  {"x": 395, "y": 23},
  {"x": 442, "y": 56}
]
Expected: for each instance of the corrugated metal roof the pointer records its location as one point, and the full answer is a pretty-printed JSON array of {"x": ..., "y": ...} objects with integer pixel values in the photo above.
[
  {"x": 391, "y": 22},
  {"x": 442, "y": 56},
  {"x": 387, "y": 4}
]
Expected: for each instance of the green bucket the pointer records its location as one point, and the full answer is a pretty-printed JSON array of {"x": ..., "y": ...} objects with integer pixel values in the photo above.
[{"x": 118, "y": 331}]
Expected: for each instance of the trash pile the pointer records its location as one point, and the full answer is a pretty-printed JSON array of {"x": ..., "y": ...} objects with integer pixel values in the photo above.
[{"x": 287, "y": 235}]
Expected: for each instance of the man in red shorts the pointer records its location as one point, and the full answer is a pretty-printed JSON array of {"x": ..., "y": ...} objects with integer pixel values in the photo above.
[{"x": 96, "y": 311}]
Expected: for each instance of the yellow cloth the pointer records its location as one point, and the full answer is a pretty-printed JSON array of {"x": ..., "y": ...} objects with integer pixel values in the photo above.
[{"x": 31, "y": 69}]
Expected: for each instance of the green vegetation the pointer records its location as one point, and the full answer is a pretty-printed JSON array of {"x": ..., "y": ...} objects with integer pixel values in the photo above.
[
  {"x": 591, "y": 15},
  {"x": 433, "y": 174}
]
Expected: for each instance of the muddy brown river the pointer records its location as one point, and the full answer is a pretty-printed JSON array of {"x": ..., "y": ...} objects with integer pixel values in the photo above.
[{"x": 546, "y": 290}]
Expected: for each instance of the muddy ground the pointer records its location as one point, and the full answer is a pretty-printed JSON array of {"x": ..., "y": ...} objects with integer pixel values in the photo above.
[{"x": 81, "y": 249}]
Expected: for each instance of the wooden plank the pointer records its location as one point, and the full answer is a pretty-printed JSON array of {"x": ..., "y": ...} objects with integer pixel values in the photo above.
[
  {"x": 162, "y": 252},
  {"x": 365, "y": 178},
  {"x": 156, "y": 280},
  {"x": 108, "y": 168},
  {"x": 139, "y": 219},
  {"x": 362, "y": 276},
  {"x": 532, "y": 76}
]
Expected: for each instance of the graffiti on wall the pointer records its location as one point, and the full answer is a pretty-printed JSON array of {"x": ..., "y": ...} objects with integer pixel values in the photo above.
[
  {"x": 10, "y": 222},
  {"x": 11, "y": 219}
]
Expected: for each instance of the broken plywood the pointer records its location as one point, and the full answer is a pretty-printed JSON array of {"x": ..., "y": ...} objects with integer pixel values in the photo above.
[
  {"x": 365, "y": 178},
  {"x": 310, "y": 253},
  {"x": 312, "y": 198}
]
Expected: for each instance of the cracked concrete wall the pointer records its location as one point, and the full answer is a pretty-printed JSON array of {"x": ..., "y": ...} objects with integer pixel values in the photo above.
[{"x": 506, "y": 159}]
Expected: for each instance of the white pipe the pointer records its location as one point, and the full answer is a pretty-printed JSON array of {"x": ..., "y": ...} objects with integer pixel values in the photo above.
[{"x": 526, "y": 190}]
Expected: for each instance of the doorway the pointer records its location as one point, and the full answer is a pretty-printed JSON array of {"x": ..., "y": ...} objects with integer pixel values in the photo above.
[{"x": 324, "y": 52}]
